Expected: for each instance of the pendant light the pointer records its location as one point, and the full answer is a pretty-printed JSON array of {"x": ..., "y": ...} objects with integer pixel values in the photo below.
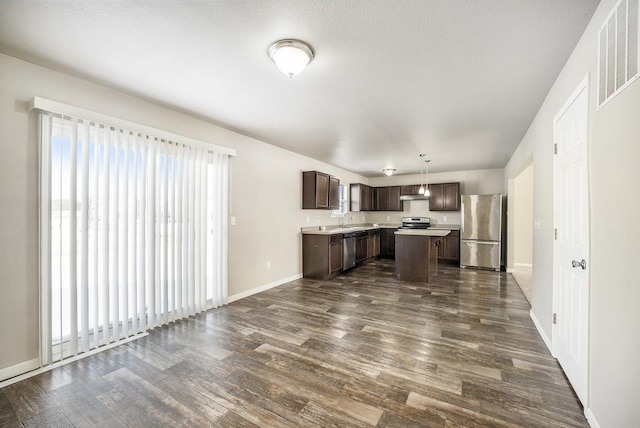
[
  {"x": 424, "y": 186},
  {"x": 291, "y": 56},
  {"x": 422, "y": 189},
  {"x": 426, "y": 179}
]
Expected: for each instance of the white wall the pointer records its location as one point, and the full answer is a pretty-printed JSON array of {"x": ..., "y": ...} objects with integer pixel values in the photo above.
[
  {"x": 265, "y": 195},
  {"x": 614, "y": 132},
  {"x": 523, "y": 217}
]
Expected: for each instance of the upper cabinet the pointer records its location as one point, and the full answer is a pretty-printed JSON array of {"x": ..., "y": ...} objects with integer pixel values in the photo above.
[
  {"x": 387, "y": 198},
  {"x": 320, "y": 191},
  {"x": 444, "y": 197},
  {"x": 334, "y": 193},
  {"x": 411, "y": 189},
  {"x": 361, "y": 197},
  {"x": 365, "y": 198}
]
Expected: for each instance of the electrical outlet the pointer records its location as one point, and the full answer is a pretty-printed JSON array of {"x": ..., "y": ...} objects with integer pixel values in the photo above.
[
  {"x": 388, "y": 218},
  {"x": 318, "y": 219},
  {"x": 444, "y": 218},
  {"x": 233, "y": 220},
  {"x": 268, "y": 265},
  {"x": 307, "y": 219}
]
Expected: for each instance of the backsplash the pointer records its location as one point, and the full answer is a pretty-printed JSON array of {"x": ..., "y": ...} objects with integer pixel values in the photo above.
[{"x": 414, "y": 209}]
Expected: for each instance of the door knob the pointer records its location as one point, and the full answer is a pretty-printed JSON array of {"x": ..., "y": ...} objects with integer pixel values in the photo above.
[{"x": 582, "y": 264}]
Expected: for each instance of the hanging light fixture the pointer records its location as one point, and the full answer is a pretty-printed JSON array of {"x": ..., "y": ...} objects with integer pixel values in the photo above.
[
  {"x": 389, "y": 171},
  {"x": 426, "y": 179},
  {"x": 291, "y": 56},
  {"x": 422, "y": 189},
  {"x": 424, "y": 185}
]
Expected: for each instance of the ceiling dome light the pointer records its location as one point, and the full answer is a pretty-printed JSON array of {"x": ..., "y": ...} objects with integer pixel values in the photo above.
[
  {"x": 389, "y": 171},
  {"x": 291, "y": 56}
]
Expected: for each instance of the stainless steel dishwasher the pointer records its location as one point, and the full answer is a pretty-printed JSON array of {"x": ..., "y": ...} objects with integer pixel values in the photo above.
[{"x": 348, "y": 250}]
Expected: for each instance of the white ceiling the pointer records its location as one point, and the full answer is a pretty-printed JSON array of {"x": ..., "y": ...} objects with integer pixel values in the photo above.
[{"x": 459, "y": 80}]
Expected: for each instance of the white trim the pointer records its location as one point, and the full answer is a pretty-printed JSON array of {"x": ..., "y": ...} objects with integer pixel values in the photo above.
[
  {"x": 28, "y": 370},
  {"x": 583, "y": 86},
  {"x": 541, "y": 332},
  {"x": 263, "y": 288},
  {"x": 591, "y": 418},
  {"x": 525, "y": 265},
  {"x": 44, "y": 104},
  {"x": 603, "y": 30},
  {"x": 18, "y": 369}
]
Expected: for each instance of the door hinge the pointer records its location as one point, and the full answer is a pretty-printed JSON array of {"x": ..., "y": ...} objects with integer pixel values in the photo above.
[
  {"x": 555, "y": 148},
  {"x": 554, "y": 319},
  {"x": 555, "y": 234}
]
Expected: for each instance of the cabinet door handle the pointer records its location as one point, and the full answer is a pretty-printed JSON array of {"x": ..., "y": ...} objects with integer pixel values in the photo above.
[{"x": 582, "y": 264}]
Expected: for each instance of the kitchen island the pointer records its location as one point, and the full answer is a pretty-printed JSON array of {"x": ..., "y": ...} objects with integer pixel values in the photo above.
[{"x": 417, "y": 253}]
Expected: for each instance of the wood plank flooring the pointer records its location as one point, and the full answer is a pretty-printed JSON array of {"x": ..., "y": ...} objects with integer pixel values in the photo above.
[{"x": 360, "y": 350}]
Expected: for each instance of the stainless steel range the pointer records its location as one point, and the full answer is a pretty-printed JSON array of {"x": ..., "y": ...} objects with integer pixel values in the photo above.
[{"x": 416, "y": 223}]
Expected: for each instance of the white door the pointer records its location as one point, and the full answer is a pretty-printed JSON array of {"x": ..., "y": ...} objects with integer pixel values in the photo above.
[{"x": 571, "y": 261}]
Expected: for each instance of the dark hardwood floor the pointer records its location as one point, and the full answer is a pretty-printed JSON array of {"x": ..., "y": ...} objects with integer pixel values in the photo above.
[{"x": 361, "y": 349}]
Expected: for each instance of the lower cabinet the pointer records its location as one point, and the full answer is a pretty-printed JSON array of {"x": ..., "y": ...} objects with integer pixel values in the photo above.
[
  {"x": 387, "y": 243},
  {"x": 449, "y": 250},
  {"x": 335, "y": 254},
  {"x": 362, "y": 246},
  {"x": 374, "y": 243},
  {"x": 321, "y": 256}
]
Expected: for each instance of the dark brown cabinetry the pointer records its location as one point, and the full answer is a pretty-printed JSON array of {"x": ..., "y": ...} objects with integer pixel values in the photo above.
[
  {"x": 320, "y": 191},
  {"x": 417, "y": 257},
  {"x": 321, "y": 256},
  {"x": 381, "y": 198},
  {"x": 366, "y": 198},
  {"x": 387, "y": 243},
  {"x": 361, "y": 197},
  {"x": 362, "y": 246},
  {"x": 444, "y": 197},
  {"x": 334, "y": 193},
  {"x": 449, "y": 251},
  {"x": 411, "y": 189},
  {"x": 388, "y": 199},
  {"x": 374, "y": 243}
]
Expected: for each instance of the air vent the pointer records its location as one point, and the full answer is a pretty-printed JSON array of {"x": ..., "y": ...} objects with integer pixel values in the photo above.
[{"x": 618, "y": 50}]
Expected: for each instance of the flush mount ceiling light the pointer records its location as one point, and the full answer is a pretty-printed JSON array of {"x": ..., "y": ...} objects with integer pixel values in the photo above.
[
  {"x": 291, "y": 56},
  {"x": 389, "y": 171}
]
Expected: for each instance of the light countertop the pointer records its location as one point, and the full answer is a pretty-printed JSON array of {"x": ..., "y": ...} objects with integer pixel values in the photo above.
[
  {"x": 424, "y": 232},
  {"x": 335, "y": 230},
  {"x": 445, "y": 226}
]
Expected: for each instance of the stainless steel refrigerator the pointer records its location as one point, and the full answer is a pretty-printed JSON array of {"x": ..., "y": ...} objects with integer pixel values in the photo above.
[{"x": 481, "y": 231}]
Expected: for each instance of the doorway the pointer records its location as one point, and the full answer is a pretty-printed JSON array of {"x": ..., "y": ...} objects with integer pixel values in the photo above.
[{"x": 523, "y": 230}]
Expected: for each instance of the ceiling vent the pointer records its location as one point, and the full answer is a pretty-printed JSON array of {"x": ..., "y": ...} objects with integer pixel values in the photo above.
[{"x": 618, "y": 50}]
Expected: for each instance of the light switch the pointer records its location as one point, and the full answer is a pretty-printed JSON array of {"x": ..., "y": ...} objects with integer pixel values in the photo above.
[{"x": 233, "y": 221}]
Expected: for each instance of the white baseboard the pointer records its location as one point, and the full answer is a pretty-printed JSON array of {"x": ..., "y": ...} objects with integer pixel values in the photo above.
[
  {"x": 262, "y": 288},
  {"x": 18, "y": 369},
  {"x": 524, "y": 265},
  {"x": 593, "y": 423},
  {"x": 32, "y": 368},
  {"x": 541, "y": 332},
  {"x": 510, "y": 270}
]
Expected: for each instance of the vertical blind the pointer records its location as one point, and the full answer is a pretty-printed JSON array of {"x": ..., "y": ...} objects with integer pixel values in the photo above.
[{"x": 133, "y": 232}]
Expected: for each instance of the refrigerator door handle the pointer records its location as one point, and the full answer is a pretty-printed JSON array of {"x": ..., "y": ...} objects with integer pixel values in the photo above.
[{"x": 482, "y": 242}]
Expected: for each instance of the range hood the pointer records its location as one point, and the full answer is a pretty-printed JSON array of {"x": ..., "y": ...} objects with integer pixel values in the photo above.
[{"x": 416, "y": 197}]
